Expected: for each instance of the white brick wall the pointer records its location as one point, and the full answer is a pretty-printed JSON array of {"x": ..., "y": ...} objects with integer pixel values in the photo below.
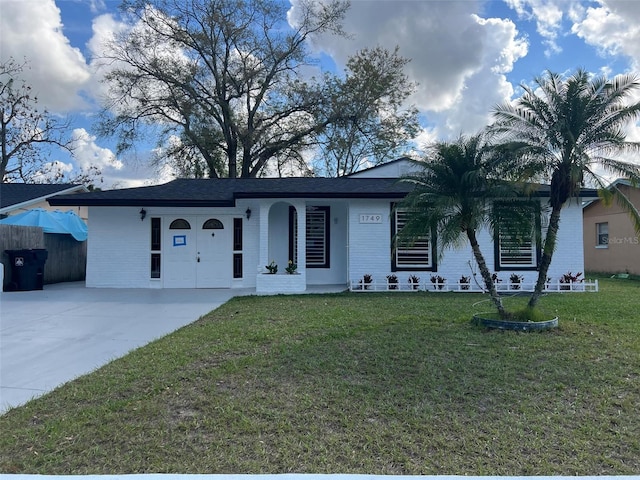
[
  {"x": 369, "y": 243},
  {"x": 370, "y": 247},
  {"x": 280, "y": 283},
  {"x": 118, "y": 250}
]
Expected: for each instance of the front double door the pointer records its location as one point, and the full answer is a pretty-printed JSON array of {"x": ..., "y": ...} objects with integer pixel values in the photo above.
[{"x": 197, "y": 252}]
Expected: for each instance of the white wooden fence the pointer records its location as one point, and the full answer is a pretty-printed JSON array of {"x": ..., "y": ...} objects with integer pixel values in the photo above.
[{"x": 502, "y": 287}]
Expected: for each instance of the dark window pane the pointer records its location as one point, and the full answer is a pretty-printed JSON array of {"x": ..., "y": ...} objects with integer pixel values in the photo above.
[
  {"x": 180, "y": 224},
  {"x": 317, "y": 233},
  {"x": 155, "y": 265},
  {"x": 237, "y": 234},
  {"x": 237, "y": 265},
  {"x": 293, "y": 234},
  {"x": 155, "y": 234},
  {"x": 212, "y": 224}
]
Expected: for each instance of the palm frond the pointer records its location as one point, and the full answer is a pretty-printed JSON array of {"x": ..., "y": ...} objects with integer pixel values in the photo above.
[
  {"x": 631, "y": 171},
  {"x": 628, "y": 207}
]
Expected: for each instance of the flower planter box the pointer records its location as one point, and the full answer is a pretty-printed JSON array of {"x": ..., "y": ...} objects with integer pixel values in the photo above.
[{"x": 267, "y": 283}]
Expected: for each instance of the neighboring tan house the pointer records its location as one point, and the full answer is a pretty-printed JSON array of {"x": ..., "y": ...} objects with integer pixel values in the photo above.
[
  {"x": 222, "y": 233},
  {"x": 611, "y": 244},
  {"x": 18, "y": 197}
]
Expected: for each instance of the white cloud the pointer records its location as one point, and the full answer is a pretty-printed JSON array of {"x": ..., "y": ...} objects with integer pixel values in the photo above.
[
  {"x": 487, "y": 86},
  {"x": 97, "y": 6},
  {"x": 548, "y": 15},
  {"x": 57, "y": 71},
  {"x": 458, "y": 59},
  {"x": 52, "y": 171},
  {"x": 441, "y": 57},
  {"x": 87, "y": 153},
  {"x": 105, "y": 29},
  {"x": 613, "y": 28}
]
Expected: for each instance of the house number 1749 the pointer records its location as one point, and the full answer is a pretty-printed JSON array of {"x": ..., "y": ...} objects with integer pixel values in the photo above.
[{"x": 370, "y": 218}]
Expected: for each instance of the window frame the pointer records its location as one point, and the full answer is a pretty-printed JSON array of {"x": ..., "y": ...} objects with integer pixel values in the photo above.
[
  {"x": 326, "y": 235},
  {"x": 431, "y": 266},
  {"x": 599, "y": 235},
  {"x": 238, "y": 261},
  {"x": 212, "y": 224},
  {"x": 237, "y": 265},
  {"x": 180, "y": 224},
  {"x": 155, "y": 248}
]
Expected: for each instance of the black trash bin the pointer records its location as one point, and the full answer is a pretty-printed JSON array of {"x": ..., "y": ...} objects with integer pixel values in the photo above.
[{"x": 27, "y": 269}]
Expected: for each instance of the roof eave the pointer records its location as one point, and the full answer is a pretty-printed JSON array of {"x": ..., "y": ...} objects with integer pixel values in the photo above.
[
  {"x": 323, "y": 195},
  {"x": 138, "y": 203},
  {"x": 33, "y": 201}
]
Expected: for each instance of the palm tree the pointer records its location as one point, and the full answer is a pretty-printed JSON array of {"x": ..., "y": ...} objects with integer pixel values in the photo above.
[
  {"x": 453, "y": 194},
  {"x": 562, "y": 130}
]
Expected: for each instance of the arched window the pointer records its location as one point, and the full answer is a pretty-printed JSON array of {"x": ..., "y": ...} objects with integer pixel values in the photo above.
[
  {"x": 212, "y": 224},
  {"x": 180, "y": 224}
]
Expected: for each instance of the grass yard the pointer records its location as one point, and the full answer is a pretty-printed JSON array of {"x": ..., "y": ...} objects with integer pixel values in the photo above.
[{"x": 380, "y": 383}]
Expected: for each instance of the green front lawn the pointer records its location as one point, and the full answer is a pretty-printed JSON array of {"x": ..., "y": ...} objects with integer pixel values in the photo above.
[{"x": 380, "y": 383}]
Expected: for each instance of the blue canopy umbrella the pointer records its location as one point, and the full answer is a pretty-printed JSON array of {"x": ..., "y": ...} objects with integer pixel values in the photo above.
[{"x": 50, "y": 222}]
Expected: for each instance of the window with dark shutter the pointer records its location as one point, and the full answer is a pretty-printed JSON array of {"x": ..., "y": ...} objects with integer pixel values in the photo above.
[
  {"x": 516, "y": 249},
  {"x": 317, "y": 231},
  {"x": 410, "y": 254}
]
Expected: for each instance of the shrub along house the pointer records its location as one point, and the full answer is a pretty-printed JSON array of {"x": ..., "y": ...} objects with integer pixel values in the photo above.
[{"x": 222, "y": 233}]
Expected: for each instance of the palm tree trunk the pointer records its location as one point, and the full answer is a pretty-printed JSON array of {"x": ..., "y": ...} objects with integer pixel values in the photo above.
[
  {"x": 486, "y": 275},
  {"x": 549, "y": 247}
]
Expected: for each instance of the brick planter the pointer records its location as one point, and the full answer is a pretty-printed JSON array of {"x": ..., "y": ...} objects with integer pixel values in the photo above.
[{"x": 267, "y": 283}]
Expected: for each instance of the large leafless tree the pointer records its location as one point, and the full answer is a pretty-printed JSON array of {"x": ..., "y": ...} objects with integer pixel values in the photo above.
[
  {"x": 225, "y": 85},
  {"x": 26, "y": 131},
  {"x": 375, "y": 125}
]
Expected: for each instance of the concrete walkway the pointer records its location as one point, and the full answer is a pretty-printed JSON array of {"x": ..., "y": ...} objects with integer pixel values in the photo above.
[{"x": 51, "y": 336}]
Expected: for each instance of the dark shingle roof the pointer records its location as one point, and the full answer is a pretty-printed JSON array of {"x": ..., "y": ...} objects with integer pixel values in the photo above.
[
  {"x": 17, "y": 193},
  {"x": 223, "y": 192}
]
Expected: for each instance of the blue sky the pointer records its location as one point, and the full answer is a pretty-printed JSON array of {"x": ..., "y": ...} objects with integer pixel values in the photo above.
[{"x": 466, "y": 55}]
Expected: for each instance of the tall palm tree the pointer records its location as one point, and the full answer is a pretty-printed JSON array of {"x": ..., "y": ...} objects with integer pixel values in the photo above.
[
  {"x": 453, "y": 195},
  {"x": 563, "y": 128}
]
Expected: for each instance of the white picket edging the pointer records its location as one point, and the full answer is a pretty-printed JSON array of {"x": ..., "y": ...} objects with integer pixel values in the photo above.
[{"x": 502, "y": 287}]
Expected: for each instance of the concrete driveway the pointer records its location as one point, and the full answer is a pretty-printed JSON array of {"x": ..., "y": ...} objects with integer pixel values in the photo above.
[{"x": 51, "y": 336}]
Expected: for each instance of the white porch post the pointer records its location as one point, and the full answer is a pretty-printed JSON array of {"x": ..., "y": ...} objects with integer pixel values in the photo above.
[
  {"x": 301, "y": 211},
  {"x": 264, "y": 236}
]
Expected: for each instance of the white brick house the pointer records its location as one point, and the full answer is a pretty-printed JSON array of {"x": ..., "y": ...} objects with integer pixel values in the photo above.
[{"x": 221, "y": 233}]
